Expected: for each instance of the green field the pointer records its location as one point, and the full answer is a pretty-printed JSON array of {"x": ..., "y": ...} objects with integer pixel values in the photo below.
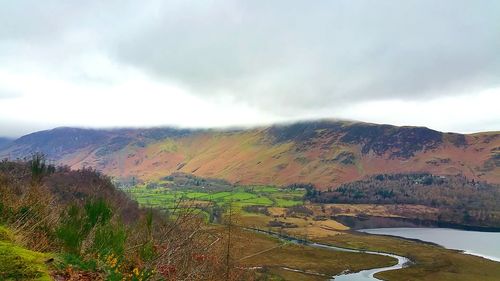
[{"x": 268, "y": 196}]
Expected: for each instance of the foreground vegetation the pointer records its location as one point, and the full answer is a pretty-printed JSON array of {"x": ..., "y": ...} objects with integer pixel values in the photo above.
[
  {"x": 74, "y": 225},
  {"x": 18, "y": 263}
]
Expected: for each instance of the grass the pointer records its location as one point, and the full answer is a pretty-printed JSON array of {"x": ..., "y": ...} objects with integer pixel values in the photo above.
[
  {"x": 217, "y": 195},
  {"x": 241, "y": 196},
  {"x": 431, "y": 262},
  {"x": 18, "y": 263},
  {"x": 269, "y": 189},
  {"x": 280, "y": 202},
  {"x": 194, "y": 195},
  {"x": 5, "y": 234},
  {"x": 274, "y": 255},
  {"x": 280, "y": 274}
]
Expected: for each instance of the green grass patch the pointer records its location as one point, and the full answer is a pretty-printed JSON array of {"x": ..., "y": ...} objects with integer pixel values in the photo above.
[
  {"x": 217, "y": 195},
  {"x": 263, "y": 201},
  {"x": 18, "y": 263},
  {"x": 287, "y": 203},
  {"x": 240, "y": 196},
  {"x": 5, "y": 234},
  {"x": 195, "y": 195},
  {"x": 266, "y": 189}
]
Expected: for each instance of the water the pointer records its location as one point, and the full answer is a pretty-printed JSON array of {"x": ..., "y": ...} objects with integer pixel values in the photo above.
[
  {"x": 367, "y": 275},
  {"x": 483, "y": 244},
  {"x": 364, "y": 275}
]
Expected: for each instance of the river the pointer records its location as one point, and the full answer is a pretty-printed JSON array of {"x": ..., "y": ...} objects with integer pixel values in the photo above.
[
  {"x": 483, "y": 244},
  {"x": 364, "y": 275}
]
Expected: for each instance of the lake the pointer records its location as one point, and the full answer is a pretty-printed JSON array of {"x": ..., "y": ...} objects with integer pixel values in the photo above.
[{"x": 484, "y": 244}]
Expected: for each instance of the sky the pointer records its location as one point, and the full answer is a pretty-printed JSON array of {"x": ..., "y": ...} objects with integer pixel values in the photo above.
[{"x": 201, "y": 64}]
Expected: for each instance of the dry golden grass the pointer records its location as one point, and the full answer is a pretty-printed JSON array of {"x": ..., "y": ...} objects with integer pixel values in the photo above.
[
  {"x": 277, "y": 211},
  {"x": 431, "y": 262},
  {"x": 258, "y": 250},
  {"x": 283, "y": 274},
  {"x": 375, "y": 210},
  {"x": 305, "y": 226}
]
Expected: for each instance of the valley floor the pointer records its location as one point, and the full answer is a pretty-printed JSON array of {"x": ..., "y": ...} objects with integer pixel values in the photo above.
[
  {"x": 284, "y": 212},
  {"x": 430, "y": 262}
]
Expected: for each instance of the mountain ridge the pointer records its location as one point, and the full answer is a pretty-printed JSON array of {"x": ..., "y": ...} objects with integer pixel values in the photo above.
[
  {"x": 4, "y": 142},
  {"x": 326, "y": 152}
]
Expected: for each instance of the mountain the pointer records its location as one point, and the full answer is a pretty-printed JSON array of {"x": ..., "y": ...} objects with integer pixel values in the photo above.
[
  {"x": 325, "y": 153},
  {"x": 4, "y": 142}
]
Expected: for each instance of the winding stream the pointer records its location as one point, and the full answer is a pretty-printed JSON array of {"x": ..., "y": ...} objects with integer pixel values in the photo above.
[
  {"x": 368, "y": 273},
  {"x": 364, "y": 275}
]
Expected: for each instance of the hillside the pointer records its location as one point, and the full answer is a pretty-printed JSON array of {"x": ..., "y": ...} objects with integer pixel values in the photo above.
[
  {"x": 61, "y": 224},
  {"x": 4, "y": 142},
  {"x": 325, "y": 153}
]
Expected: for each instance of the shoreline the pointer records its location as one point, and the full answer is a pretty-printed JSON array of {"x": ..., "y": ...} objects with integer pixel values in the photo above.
[
  {"x": 463, "y": 251},
  {"x": 401, "y": 260},
  {"x": 368, "y": 222}
]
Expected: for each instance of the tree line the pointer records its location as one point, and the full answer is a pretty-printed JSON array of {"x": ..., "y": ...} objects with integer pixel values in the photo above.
[{"x": 459, "y": 199}]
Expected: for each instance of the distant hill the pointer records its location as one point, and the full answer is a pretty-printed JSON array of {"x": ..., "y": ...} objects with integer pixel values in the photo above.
[
  {"x": 4, "y": 142},
  {"x": 325, "y": 153}
]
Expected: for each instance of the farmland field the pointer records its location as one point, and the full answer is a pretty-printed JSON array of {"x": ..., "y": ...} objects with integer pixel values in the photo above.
[{"x": 267, "y": 196}]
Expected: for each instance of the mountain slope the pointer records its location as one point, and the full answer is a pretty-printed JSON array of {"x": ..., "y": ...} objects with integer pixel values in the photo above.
[
  {"x": 4, "y": 142},
  {"x": 326, "y": 153}
]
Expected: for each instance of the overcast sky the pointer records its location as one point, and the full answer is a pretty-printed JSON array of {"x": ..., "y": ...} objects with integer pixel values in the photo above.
[{"x": 240, "y": 63}]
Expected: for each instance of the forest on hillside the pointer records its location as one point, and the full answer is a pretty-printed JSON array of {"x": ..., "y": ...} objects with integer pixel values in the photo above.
[{"x": 459, "y": 199}]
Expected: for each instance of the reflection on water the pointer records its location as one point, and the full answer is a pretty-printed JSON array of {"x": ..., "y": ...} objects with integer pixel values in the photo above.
[{"x": 484, "y": 244}]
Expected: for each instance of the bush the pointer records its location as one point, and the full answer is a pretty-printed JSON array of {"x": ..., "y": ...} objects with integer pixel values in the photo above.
[
  {"x": 97, "y": 212},
  {"x": 95, "y": 218},
  {"x": 109, "y": 239},
  {"x": 257, "y": 209},
  {"x": 71, "y": 231}
]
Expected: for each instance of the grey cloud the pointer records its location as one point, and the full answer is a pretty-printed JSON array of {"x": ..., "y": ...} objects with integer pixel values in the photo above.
[
  {"x": 15, "y": 129},
  {"x": 306, "y": 55},
  {"x": 285, "y": 56}
]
